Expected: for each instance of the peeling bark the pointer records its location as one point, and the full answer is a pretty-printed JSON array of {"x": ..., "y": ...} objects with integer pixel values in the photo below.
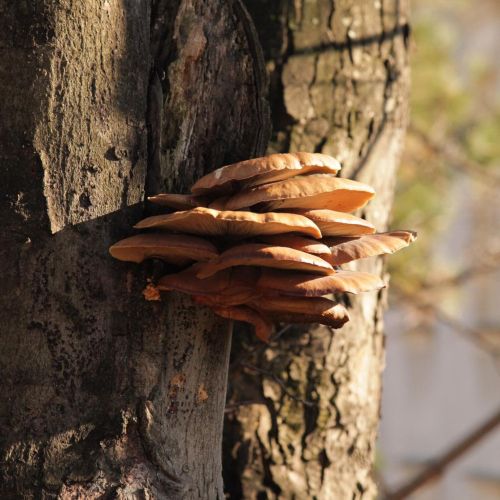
[
  {"x": 106, "y": 395},
  {"x": 304, "y": 424}
]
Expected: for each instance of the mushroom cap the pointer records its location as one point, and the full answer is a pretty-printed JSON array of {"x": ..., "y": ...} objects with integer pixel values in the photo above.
[
  {"x": 215, "y": 223},
  {"x": 260, "y": 254},
  {"x": 302, "y": 243},
  {"x": 269, "y": 168},
  {"x": 348, "y": 249},
  {"x": 302, "y": 310},
  {"x": 177, "y": 201},
  {"x": 178, "y": 249},
  {"x": 229, "y": 287},
  {"x": 263, "y": 326},
  {"x": 333, "y": 223},
  {"x": 310, "y": 192},
  {"x": 218, "y": 203},
  {"x": 311, "y": 285}
]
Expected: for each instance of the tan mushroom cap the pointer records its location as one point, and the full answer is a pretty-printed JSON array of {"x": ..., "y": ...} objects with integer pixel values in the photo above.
[
  {"x": 333, "y": 223},
  {"x": 229, "y": 287},
  {"x": 303, "y": 310},
  {"x": 263, "y": 326},
  {"x": 177, "y": 201},
  {"x": 212, "y": 222},
  {"x": 308, "y": 245},
  {"x": 309, "y": 192},
  {"x": 178, "y": 249},
  {"x": 348, "y": 249},
  {"x": 311, "y": 285},
  {"x": 227, "y": 299},
  {"x": 258, "y": 254},
  {"x": 262, "y": 170},
  {"x": 218, "y": 203}
]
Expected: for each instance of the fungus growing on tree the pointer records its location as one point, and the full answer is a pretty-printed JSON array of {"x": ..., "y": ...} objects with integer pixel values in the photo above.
[
  {"x": 312, "y": 285},
  {"x": 257, "y": 171},
  {"x": 302, "y": 310},
  {"x": 276, "y": 230},
  {"x": 177, "y": 249},
  {"x": 211, "y": 222},
  {"x": 333, "y": 223},
  {"x": 178, "y": 201},
  {"x": 226, "y": 288},
  {"x": 297, "y": 242},
  {"x": 262, "y": 255},
  {"x": 345, "y": 250},
  {"x": 263, "y": 326},
  {"x": 317, "y": 191}
]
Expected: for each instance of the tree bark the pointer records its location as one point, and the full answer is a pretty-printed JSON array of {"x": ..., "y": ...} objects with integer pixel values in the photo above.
[
  {"x": 105, "y": 102},
  {"x": 106, "y": 395},
  {"x": 303, "y": 414}
]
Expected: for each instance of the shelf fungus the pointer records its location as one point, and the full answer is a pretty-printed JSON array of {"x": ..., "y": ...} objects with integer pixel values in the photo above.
[{"x": 261, "y": 241}]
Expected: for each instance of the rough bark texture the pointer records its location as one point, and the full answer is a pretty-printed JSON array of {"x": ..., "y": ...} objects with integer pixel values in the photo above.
[
  {"x": 105, "y": 395},
  {"x": 308, "y": 425}
]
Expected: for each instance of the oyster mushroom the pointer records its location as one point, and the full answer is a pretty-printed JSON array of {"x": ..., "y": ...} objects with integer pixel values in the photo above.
[
  {"x": 219, "y": 203},
  {"x": 263, "y": 326},
  {"x": 333, "y": 223},
  {"x": 262, "y": 255},
  {"x": 302, "y": 310},
  {"x": 312, "y": 285},
  {"x": 297, "y": 242},
  {"x": 229, "y": 287},
  {"x": 347, "y": 249},
  {"x": 177, "y": 201},
  {"x": 285, "y": 266},
  {"x": 207, "y": 221},
  {"x": 262, "y": 170},
  {"x": 309, "y": 192},
  {"x": 179, "y": 249}
]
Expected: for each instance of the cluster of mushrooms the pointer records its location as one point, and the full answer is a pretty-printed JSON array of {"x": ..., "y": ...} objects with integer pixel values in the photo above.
[{"x": 261, "y": 241}]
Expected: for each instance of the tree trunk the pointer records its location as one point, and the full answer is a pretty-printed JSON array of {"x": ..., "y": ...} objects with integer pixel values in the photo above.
[
  {"x": 303, "y": 414},
  {"x": 106, "y": 395}
]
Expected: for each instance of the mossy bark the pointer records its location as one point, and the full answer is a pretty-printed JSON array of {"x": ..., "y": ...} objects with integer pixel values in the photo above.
[
  {"x": 303, "y": 414},
  {"x": 105, "y": 395}
]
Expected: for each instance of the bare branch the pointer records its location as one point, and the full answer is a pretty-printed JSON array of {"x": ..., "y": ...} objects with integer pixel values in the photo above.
[{"x": 438, "y": 467}]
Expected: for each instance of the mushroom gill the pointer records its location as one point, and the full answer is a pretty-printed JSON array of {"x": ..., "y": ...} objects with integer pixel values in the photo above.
[
  {"x": 302, "y": 310},
  {"x": 257, "y": 171},
  {"x": 177, "y": 201},
  {"x": 309, "y": 192},
  {"x": 297, "y": 242},
  {"x": 345, "y": 250},
  {"x": 177, "y": 249},
  {"x": 228, "y": 287},
  {"x": 334, "y": 223},
  {"x": 312, "y": 285},
  {"x": 268, "y": 233},
  {"x": 263, "y": 326},
  {"x": 211, "y": 222},
  {"x": 262, "y": 255}
]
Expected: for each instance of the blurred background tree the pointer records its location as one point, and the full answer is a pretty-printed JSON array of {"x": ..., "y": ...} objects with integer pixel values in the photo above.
[{"x": 455, "y": 123}]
